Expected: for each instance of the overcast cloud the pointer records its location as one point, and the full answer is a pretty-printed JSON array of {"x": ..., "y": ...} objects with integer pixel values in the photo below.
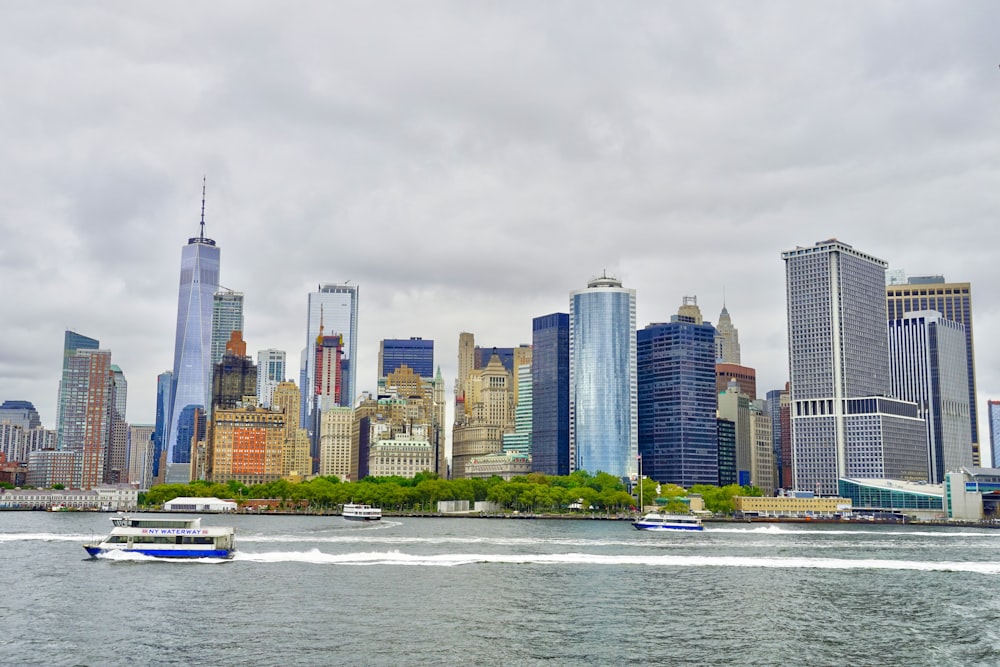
[{"x": 468, "y": 164}]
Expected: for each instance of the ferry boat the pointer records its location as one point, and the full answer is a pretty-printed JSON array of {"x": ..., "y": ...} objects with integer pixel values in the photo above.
[
  {"x": 166, "y": 538},
  {"x": 657, "y": 521},
  {"x": 354, "y": 512}
]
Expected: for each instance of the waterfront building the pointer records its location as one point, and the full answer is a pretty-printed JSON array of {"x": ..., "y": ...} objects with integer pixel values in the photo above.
[
  {"x": 550, "y": 394},
  {"x": 726, "y": 434},
  {"x": 422, "y": 404},
  {"x": 234, "y": 378},
  {"x": 954, "y": 302},
  {"x": 929, "y": 369},
  {"x": 140, "y": 455},
  {"x": 762, "y": 473},
  {"x": 604, "y": 421},
  {"x": 842, "y": 423},
  {"x": 116, "y": 461},
  {"x": 72, "y": 341},
  {"x": 973, "y": 494},
  {"x": 744, "y": 376},
  {"x": 335, "y": 455},
  {"x": 791, "y": 507},
  {"x": 227, "y": 317},
  {"x": 335, "y": 306},
  {"x": 270, "y": 373},
  {"x": 48, "y": 467},
  {"x": 192, "y": 371},
  {"x": 993, "y": 410},
  {"x": 416, "y": 353},
  {"x": 677, "y": 429},
  {"x": 246, "y": 446},
  {"x": 734, "y": 405},
  {"x": 86, "y": 412},
  {"x": 727, "y": 341},
  {"x": 893, "y": 496},
  {"x": 403, "y": 454},
  {"x": 20, "y": 413}
]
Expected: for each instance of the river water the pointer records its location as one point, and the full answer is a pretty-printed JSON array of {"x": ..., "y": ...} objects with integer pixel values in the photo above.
[{"x": 322, "y": 591}]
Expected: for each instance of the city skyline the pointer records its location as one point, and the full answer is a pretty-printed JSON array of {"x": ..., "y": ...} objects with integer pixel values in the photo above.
[{"x": 678, "y": 176}]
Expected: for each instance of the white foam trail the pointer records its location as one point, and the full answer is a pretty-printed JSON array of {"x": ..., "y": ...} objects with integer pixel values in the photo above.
[
  {"x": 887, "y": 532},
  {"x": 132, "y": 556},
  {"x": 450, "y": 560},
  {"x": 45, "y": 537}
]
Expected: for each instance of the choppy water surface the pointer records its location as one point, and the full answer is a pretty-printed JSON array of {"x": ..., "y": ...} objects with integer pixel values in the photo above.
[{"x": 322, "y": 591}]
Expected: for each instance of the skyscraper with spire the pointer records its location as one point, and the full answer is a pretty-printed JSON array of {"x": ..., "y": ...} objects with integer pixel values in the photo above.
[
  {"x": 727, "y": 340},
  {"x": 192, "y": 371}
]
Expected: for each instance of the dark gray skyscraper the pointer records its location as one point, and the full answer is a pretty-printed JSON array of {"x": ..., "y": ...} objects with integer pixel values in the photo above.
[{"x": 192, "y": 372}]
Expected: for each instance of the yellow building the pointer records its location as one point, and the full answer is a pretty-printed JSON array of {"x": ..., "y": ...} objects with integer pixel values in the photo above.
[
  {"x": 247, "y": 445},
  {"x": 789, "y": 507},
  {"x": 296, "y": 461},
  {"x": 335, "y": 451}
]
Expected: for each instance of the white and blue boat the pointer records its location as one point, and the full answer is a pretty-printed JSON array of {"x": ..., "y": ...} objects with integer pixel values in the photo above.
[
  {"x": 166, "y": 538},
  {"x": 672, "y": 522}
]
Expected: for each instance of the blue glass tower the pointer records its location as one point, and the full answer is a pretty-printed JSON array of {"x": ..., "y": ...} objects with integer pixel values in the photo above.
[
  {"x": 192, "y": 373},
  {"x": 550, "y": 394},
  {"x": 416, "y": 353},
  {"x": 164, "y": 391},
  {"x": 678, "y": 431},
  {"x": 602, "y": 378}
]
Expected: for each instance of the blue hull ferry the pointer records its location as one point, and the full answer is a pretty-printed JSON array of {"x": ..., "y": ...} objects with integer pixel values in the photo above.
[
  {"x": 672, "y": 522},
  {"x": 166, "y": 538}
]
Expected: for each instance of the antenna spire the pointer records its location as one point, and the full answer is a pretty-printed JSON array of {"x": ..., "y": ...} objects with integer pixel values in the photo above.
[{"x": 202, "y": 207}]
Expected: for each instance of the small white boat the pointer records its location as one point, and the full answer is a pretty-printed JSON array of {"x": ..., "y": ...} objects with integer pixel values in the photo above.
[
  {"x": 657, "y": 521},
  {"x": 166, "y": 538},
  {"x": 354, "y": 512}
]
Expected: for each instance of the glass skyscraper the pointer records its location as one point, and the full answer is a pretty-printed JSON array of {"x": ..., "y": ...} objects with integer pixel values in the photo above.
[
  {"x": 602, "y": 378},
  {"x": 993, "y": 408},
  {"x": 164, "y": 392},
  {"x": 270, "y": 373},
  {"x": 550, "y": 394},
  {"x": 678, "y": 436},
  {"x": 192, "y": 373},
  {"x": 72, "y": 341},
  {"x": 954, "y": 302},
  {"x": 416, "y": 353},
  {"x": 227, "y": 317}
]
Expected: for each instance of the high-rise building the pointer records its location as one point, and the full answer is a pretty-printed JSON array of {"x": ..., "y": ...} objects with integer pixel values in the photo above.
[
  {"x": 164, "y": 393},
  {"x": 270, "y": 373},
  {"x": 227, "y": 317},
  {"x": 86, "y": 412},
  {"x": 116, "y": 461},
  {"x": 734, "y": 406},
  {"x": 192, "y": 372},
  {"x": 954, "y": 302},
  {"x": 336, "y": 308},
  {"x": 336, "y": 425},
  {"x": 928, "y": 368},
  {"x": 519, "y": 441},
  {"x": 247, "y": 445},
  {"x": 762, "y": 448},
  {"x": 726, "y": 430},
  {"x": 993, "y": 408},
  {"x": 20, "y": 413},
  {"x": 727, "y": 340},
  {"x": 678, "y": 433},
  {"x": 466, "y": 364},
  {"x": 297, "y": 461},
  {"x": 604, "y": 422},
  {"x": 140, "y": 455},
  {"x": 489, "y": 415},
  {"x": 843, "y": 423},
  {"x": 416, "y": 353},
  {"x": 234, "y": 378},
  {"x": 777, "y": 409},
  {"x": 72, "y": 342},
  {"x": 744, "y": 376},
  {"x": 550, "y": 394}
]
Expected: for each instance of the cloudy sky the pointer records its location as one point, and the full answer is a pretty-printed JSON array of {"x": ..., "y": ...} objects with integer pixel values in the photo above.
[{"x": 468, "y": 164}]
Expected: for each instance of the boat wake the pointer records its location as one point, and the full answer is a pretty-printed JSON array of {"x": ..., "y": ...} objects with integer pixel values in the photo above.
[
  {"x": 315, "y": 556},
  {"x": 136, "y": 557}
]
